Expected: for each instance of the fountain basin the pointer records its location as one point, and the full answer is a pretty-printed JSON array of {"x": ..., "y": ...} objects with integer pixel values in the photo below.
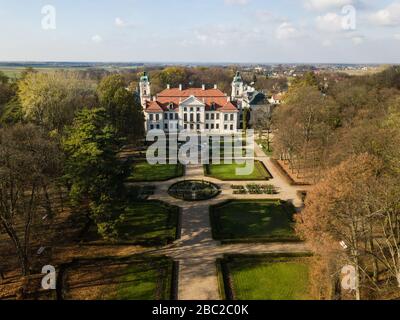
[{"x": 194, "y": 190}]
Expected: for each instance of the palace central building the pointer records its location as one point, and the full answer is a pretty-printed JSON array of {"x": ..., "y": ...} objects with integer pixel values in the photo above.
[{"x": 197, "y": 110}]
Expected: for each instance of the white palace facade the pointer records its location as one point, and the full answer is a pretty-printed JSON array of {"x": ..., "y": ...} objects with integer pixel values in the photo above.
[{"x": 197, "y": 110}]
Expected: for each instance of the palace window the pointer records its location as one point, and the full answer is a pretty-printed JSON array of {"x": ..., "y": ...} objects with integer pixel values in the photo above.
[
  {"x": 217, "y": 126},
  {"x": 151, "y": 117},
  {"x": 191, "y": 117},
  {"x": 231, "y": 127},
  {"x": 217, "y": 116},
  {"x": 232, "y": 117},
  {"x": 198, "y": 117},
  {"x": 226, "y": 117},
  {"x": 207, "y": 116},
  {"x": 207, "y": 126},
  {"x": 212, "y": 116},
  {"x": 185, "y": 117}
]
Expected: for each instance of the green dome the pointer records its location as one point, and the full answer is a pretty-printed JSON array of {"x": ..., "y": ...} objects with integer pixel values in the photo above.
[
  {"x": 144, "y": 78},
  {"x": 238, "y": 77}
]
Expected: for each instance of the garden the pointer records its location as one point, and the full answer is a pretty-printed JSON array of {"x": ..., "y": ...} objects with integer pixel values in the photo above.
[
  {"x": 265, "y": 277},
  {"x": 146, "y": 223},
  {"x": 133, "y": 278},
  {"x": 145, "y": 172},
  {"x": 194, "y": 190},
  {"x": 228, "y": 172},
  {"x": 253, "y": 221}
]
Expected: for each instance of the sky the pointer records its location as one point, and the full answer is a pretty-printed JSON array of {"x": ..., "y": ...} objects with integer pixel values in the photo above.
[{"x": 236, "y": 31}]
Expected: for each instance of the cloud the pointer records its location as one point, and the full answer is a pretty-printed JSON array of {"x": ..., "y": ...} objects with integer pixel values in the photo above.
[
  {"x": 397, "y": 36},
  {"x": 389, "y": 16},
  {"x": 330, "y": 22},
  {"x": 321, "y": 5},
  {"x": 327, "y": 43},
  {"x": 236, "y": 2},
  {"x": 121, "y": 23},
  {"x": 287, "y": 31},
  {"x": 97, "y": 38}
]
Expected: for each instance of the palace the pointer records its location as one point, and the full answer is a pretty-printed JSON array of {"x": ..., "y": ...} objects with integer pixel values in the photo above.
[{"x": 197, "y": 110}]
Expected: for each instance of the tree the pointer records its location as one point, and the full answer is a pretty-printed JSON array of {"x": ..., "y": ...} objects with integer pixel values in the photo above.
[
  {"x": 338, "y": 209},
  {"x": 52, "y": 99},
  {"x": 29, "y": 161},
  {"x": 124, "y": 108},
  {"x": 94, "y": 173},
  {"x": 262, "y": 123}
]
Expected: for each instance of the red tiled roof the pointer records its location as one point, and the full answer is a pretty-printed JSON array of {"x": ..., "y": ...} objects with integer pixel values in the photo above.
[
  {"x": 173, "y": 97},
  {"x": 197, "y": 92}
]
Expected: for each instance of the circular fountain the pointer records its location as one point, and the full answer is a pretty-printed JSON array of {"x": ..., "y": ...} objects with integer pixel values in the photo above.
[{"x": 194, "y": 190}]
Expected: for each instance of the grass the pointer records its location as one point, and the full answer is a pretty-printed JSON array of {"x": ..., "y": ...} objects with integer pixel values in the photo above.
[
  {"x": 149, "y": 223},
  {"x": 253, "y": 221},
  {"x": 146, "y": 223},
  {"x": 145, "y": 172},
  {"x": 228, "y": 172},
  {"x": 268, "y": 277},
  {"x": 132, "y": 278}
]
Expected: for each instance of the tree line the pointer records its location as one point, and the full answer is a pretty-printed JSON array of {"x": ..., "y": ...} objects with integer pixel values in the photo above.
[
  {"x": 343, "y": 137},
  {"x": 61, "y": 132}
]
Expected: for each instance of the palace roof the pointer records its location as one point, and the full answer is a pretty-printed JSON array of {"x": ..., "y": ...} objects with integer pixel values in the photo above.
[{"x": 170, "y": 99}]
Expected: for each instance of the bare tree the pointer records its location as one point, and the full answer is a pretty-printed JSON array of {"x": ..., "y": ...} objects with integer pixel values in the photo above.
[{"x": 28, "y": 162}]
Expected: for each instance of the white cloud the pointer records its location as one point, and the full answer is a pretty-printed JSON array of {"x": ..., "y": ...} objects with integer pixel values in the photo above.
[
  {"x": 330, "y": 22},
  {"x": 287, "y": 31},
  {"x": 389, "y": 16},
  {"x": 236, "y": 2},
  {"x": 97, "y": 38},
  {"x": 321, "y": 5},
  {"x": 121, "y": 23},
  {"x": 397, "y": 36}
]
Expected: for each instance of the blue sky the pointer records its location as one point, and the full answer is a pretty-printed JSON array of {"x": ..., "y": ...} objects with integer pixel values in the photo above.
[{"x": 202, "y": 31}]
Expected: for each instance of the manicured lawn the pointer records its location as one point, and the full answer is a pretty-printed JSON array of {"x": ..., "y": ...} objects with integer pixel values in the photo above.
[
  {"x": 143, "y": 172},
  {"x": 269, "y": 278},
  {"x": 228, "y": 172},
  {"x": 149, "y": 222},
  {"x": 252, "y": 221},
  {"x": 136, "y": 278}
]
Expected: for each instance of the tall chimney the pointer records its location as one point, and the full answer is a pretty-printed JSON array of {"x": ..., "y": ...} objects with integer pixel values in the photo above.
[
  {"x": 203, "y": 86},
  {"x": 215, "y": 86},
  {"x": 168, "y": 86},
  {"x": 180, "y": 87}
]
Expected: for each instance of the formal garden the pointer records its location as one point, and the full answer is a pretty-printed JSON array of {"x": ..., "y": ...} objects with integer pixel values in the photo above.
[
  {"x": 264, "y": 277},
  {"x": 253, "y": 221},
  {"x": 146, "y": 223},
  {"x": 228, "y": 172},
  {"x": 130, "y": 278}
]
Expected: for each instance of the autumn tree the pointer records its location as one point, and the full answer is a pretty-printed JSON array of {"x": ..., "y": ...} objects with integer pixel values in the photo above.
[
  {"x": 52, "y": 99},
  {"x": 338, "y": 221}
]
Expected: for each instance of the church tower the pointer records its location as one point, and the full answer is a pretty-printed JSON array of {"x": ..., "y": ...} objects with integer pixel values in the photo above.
[
  {"x": 145, "y": 88},
  {"x": 237, "y": 87}
]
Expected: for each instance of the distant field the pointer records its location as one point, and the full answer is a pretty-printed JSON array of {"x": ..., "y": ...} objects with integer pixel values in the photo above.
[{"x": 15, "y": 72}]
